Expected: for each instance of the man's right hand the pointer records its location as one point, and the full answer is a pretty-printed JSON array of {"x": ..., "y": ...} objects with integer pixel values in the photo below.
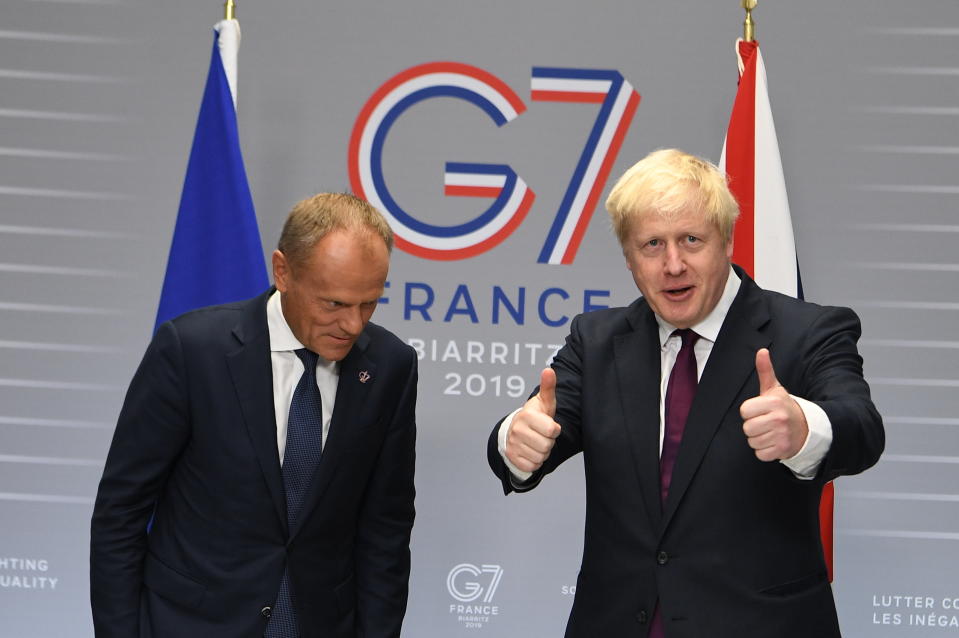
[{"x": 533, "y": 431}]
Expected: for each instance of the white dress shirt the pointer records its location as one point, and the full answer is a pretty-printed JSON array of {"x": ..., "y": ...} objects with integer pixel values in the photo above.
[
  {"x": 287, "y": 370},
  {"x": 803, "y": 465}
]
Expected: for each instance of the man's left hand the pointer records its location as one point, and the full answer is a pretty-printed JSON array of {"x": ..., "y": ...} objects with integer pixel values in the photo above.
[{"x": 773, "y": 422}]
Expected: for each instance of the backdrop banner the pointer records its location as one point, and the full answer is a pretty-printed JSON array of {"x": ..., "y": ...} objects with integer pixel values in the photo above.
[{"x": 489, "y": 133}]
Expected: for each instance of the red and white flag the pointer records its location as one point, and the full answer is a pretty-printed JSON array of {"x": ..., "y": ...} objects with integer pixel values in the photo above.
[{"x": 763, "y": 238}]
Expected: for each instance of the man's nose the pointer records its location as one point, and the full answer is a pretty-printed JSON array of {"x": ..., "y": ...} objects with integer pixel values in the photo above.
[
  {"x": 674, "y": 263},
  {"x": 352, "y": 321}
]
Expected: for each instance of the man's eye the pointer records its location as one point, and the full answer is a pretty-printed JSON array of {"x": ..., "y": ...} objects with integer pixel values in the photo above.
[
  {"x": 692, "y": 239},
  {"x": 653, "y": 242}
]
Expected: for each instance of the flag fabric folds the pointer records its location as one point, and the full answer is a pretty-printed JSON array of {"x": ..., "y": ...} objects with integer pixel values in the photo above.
[
  {"x": 763, "y": 238},
  {"x": 764, "y": 244},
  {"x": 216, "y": 255}
]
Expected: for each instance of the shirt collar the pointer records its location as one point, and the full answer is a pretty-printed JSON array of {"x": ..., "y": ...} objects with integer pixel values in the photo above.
[
  {"x": 281, "y": 336},
  {"x": 709, "y": 327}
]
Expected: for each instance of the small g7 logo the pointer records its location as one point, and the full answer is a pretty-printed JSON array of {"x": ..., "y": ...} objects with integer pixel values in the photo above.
[{"x": 464, "y": 589}]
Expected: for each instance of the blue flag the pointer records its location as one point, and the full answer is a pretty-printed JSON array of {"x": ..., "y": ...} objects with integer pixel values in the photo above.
[{"x": 216, "y": 255}]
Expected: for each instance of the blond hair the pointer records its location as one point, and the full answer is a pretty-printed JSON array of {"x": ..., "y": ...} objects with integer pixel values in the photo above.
[{"x": 668, "y": 182}]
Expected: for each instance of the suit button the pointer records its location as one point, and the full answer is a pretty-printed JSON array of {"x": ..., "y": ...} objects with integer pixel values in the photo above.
[
  {"x": 641, "y": 617},
  {"x": 266, "y": 612},
  {"x": 662, "y": 558}
]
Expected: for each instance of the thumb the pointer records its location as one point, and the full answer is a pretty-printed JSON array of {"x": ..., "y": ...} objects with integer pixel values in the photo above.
[
  {"x": 547, "y": 391},
  {"x": 765, "y": 371}
]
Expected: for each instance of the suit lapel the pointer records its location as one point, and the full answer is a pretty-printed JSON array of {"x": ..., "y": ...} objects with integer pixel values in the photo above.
[
  {"x": 731, "y": 363},
  {"x": 637, "y": 356},
  {"x": 357, "y": 379},
  {"x": 252, "y": 375}
]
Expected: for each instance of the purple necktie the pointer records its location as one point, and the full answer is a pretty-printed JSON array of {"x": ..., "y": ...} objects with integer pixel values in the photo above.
[{"x": 679, "y": 397}]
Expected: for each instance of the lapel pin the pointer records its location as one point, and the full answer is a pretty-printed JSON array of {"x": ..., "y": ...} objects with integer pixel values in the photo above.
[{"x": 364, "y": 376}]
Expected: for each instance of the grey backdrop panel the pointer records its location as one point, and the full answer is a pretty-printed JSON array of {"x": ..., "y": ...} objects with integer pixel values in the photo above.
[{"x": 98, "y": 101}]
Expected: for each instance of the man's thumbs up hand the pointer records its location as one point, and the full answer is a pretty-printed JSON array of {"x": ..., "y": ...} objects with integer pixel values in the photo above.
[
  {"x": 773, "y": 422},
  {"x": 533, "y": 431}
]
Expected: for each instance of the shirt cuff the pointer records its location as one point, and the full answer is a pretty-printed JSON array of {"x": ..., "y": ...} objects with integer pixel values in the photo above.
[
  {"x": 518, "y": 476},
  {"x": 807, "y": 460}
]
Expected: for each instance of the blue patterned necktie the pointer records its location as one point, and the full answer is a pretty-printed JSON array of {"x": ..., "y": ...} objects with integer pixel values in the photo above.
[{"x": 304, "y": 445}]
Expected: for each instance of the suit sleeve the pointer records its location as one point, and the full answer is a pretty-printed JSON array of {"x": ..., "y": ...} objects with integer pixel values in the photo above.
[
  {"x": 832, "y": 377},
  {"x": 151, "y": 431},
  {"x": 569, "y": 383},
  {"x": 382, "y": 551}
]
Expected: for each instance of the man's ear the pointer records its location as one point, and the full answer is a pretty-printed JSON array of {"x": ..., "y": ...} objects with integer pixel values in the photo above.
[{"x": 281, "y": 271}]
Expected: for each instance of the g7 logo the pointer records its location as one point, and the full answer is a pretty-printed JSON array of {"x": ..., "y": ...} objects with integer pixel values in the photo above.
[
  {"x": 512, "y": 198},
  {"x": 470, "y": 590}
]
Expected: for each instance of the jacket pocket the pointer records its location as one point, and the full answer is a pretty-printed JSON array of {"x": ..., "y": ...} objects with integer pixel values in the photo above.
[
  {"x": 797, "y": 586},
  {"x": 171, "y": 584},
  {"x": 345, "y": 594}
]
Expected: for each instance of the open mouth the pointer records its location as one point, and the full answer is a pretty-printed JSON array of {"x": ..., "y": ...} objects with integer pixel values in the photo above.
[{"x": 678, "y": 294}]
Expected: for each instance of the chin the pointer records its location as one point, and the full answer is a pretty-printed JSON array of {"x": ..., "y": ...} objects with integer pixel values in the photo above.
[
  {"x": 335, "y": 353},
  {"x": 680, "y": 321}
]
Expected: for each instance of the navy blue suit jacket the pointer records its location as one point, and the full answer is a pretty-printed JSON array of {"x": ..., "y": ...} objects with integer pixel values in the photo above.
[
  {"x": 736, "y": 549},
  {"x": 195, "y": 447}
]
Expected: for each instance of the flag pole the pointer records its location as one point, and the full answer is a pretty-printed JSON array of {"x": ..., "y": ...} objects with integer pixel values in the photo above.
[
  {"x": 749, "y": 27},
  {"x": 229, "y": 10}
]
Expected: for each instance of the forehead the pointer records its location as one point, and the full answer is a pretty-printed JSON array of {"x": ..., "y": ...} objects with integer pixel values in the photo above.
[
  {"x": 346, "y": 265},
  {"x": 344, "y": 249},
  {"x": 659, "y": 222}
]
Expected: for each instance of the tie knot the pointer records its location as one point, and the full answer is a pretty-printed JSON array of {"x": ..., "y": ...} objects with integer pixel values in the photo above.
[
  {"x": 309, "y": 359},
  {"x": 687, "y": 335}
]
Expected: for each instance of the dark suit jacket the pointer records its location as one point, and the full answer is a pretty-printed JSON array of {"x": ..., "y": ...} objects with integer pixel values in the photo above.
[
  {"x": 195, "y": 447},
  {"x": 736, "y": 549}
]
